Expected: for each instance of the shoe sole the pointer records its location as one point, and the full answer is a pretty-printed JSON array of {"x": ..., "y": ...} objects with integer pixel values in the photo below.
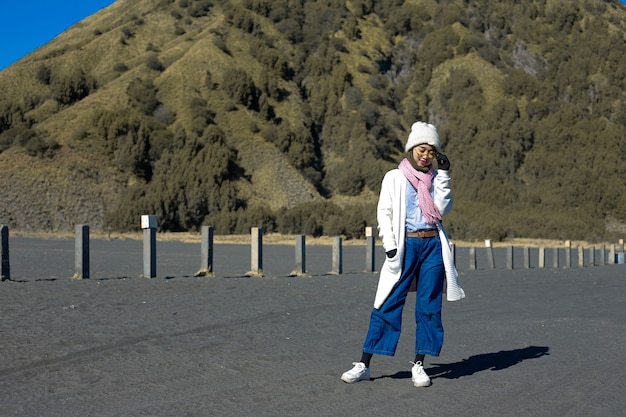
[
  {"x": 421, "y": 384},
  {"x": 352, "y": 381}
]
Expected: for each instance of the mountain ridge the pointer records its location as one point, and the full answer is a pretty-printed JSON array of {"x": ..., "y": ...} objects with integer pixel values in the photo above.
[{"x": 286, "y": 114}]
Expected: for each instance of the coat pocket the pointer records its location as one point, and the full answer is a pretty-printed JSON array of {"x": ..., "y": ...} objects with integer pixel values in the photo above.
[{"x": 393, "y": 265}]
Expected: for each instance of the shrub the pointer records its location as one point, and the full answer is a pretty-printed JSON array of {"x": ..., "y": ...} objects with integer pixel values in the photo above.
[
  {"x": 43, "y": 74},
  {"x": 199, "y": 8},
  {"x": 143, "y": 94},
  {"x": 200, "y": 114},
  {"x": 120, "y": 67},
  {"x": 221, "y": 44},
  {"x": 5, "y": 142},
  {"x": 153, "y": 63},
  {"x": 439, "y": 46},
  {"x": 164, "y": 115},
  {"x": 126, "y": 33},
  {"x": 254, "y": 217},
  {"x": 340, "y": 45},
  {"x": 39, "y": 147},
  {"x": 71, "y": 87},
  {"x": 190, "y": 186},
  {"x": 240, "y": 87}
]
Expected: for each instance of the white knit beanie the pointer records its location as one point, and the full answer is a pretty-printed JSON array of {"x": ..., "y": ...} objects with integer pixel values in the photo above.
[{"x": 423, "y": 133}]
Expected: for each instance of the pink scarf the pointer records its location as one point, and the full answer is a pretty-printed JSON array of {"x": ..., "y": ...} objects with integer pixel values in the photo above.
[{"x": 422, "y": 181}]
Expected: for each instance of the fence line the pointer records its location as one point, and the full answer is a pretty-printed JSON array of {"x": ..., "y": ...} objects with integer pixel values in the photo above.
[{"x": 149, "y": 224}]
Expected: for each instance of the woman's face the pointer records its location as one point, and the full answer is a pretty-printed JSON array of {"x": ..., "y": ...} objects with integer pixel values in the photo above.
[{"x": 424, "y": 154}]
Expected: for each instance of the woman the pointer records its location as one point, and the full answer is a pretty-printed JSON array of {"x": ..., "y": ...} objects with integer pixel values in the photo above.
[{"x": 412, "y": 200}]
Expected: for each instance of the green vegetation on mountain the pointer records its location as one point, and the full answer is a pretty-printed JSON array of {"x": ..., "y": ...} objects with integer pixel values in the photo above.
[{"x": 285, "y": 114}]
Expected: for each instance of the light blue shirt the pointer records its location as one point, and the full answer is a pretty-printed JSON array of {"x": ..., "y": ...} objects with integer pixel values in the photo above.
[{"x": 414, "y": 219}]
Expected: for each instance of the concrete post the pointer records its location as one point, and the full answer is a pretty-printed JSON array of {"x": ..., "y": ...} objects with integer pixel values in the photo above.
[
  {"x": 337, "y": 255},
  {"x": 5, "y": 270},
  {"x": 149, "y": 225},
  {"x": 300, "y": 256},
  {"x": 555, "y": 257},
  {"x": 206, "y": 252},
  {"x": 542, "y": 257},
  {"x": 509, "y": 257},
  {"x": 602, "y": 260},
  {"x": 369, "y": 249},
  {"x": 472, "y": 258},
  {"x": 592, "y": 256},
  {"x": 453, "y": 250},
  {"x": 581, "y": 257},
  {"x": 490, "y": 259},
  {"x": 568, "y": 253},
  {"x": 256, "y": 252},
  {"x": 612, "y": 254},
  {"x": 526, "y": 257},
  {"x": 81, "y": 252}
]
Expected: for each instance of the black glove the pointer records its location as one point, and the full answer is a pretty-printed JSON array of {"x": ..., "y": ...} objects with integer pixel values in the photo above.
[
  {"x": 391, "y": 253},
  {"x": 443, "y": 163}
]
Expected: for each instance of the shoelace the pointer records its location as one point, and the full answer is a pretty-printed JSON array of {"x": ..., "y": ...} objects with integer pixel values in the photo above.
[{"x": 420, "y": 367}]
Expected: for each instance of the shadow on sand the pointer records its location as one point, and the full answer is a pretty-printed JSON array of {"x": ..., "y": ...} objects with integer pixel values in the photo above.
[{"x": 486, "y": 361}]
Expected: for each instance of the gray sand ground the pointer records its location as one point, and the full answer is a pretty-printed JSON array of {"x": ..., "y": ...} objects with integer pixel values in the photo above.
[{"x": 531, "y": 342}]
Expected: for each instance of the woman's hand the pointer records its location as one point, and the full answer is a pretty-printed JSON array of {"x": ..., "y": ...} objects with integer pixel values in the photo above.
[{"x": 443, "y": 163}]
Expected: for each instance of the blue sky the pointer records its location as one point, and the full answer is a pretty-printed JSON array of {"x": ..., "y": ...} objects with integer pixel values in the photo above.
[{"x": 25, "y": 25}]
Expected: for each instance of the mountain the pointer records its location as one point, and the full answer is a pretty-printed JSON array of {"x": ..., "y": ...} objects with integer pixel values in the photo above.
[{"x": 286, "y": 114}]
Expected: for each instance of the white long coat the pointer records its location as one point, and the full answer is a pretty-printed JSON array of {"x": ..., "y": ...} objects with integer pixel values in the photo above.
[{"x": 391, "y": 215}]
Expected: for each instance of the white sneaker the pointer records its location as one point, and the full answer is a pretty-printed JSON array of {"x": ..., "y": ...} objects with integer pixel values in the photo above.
[
  {"x": 419, "y": 376},
  {"x": 359, "y": 373}
]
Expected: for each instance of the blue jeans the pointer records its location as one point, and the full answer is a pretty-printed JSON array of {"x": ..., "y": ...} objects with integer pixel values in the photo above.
[{"x": 423, "y": 260}]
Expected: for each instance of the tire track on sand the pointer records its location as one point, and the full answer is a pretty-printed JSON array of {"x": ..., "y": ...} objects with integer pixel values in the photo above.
[{"x": 130, "y": 341}]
